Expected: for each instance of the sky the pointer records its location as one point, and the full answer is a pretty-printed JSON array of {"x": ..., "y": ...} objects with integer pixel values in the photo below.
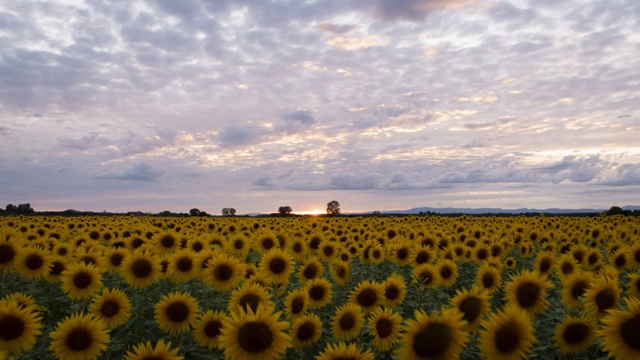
[{"x": 378, "y": 104}]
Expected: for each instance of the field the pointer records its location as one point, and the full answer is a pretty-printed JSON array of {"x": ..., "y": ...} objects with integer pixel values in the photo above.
[{"x": 320, "y": 287}]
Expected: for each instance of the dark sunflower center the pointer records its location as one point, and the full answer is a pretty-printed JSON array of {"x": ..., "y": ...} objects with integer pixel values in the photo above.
[
  {"x": 250, "y": 300},
  {"x": 507, "y": 338},
  {"x": 605, "y": 299},
  {"x": 223, "y": 272},
  {"x": 630, "y": 332},
  {"x": 545, "y": 265},
  {"x": 427, "y": 278},
  {"x": 267, "y": 243},
  {"x": 391, "y": 292},
  {"x": 575, "y": 333},
  {"x": 141, "y": 268},
  {"x": 213, "y": 328},
  {"x": 470, "y": 308},
  {"x": 11, "y": 327},
  {"x": 422, "y": 257},
  {"x": 297, "y": 305},
  {"x": 482, "y": 254},
  {"x": 297, "y": 247},
  {"x": 6, "y": 254},
  {"x": 255, "y": 337},
  {"x": 197, "y": 247},
  {"x": 34, "y": 262},
  {"x": 277, "y": 265},
  {"x": 110, "y": 308},
  {"x": 184, "y": 264},
  {"x": 341, "y": 272},
  {"x": 116, "y": 259},
  {"x": 310, "y": 271},
  {"x": 136, "y": 243},
  {"x": 527, "y": 294},
  {"x": 367, "y": 298},
  {"x": 402, "y": 253},
  {"x": 446, "y": 272},
  {"x": 238, "y": 244},
  {"x": 79, "y": 339},
  {"x": 82, "y": 280},
  {"x": 384, "y": 328},
  {"x": 620, "y": 260},
  {"x": 177, "y": 312},
  {"x": 567, "y": 268},
  {"x": 579, "y": 288},
  {"x": 317, "y": 293},
  {"x": 592, "y": 259},
  {"x": 306, "y": 331},
  {"x": 433, "y": 340},
  {"x": 167, "y": 241},
  {"x": 56, "y": 268},
  {"x": 328, "y": 250},
  {"x": 488, "y": 280},
  {"x": 88, "y": 260},
  {"x": 347, "y": 321}
]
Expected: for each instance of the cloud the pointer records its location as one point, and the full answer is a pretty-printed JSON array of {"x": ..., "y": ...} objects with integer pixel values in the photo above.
[
  {"x": 413, "y": 10},
  {"x": 137, "y": 172},
  {"x": 625, "y": 175},
  {"x": 304, "y": 117},
  {"x": 240, "y": 135}
]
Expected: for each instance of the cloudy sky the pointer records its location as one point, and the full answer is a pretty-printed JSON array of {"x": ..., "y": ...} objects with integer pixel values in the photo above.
[{"x": 379, "y": 104}]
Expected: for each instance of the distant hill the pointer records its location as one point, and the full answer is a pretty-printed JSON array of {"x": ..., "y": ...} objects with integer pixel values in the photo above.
[{"x": 477, "y": 211}]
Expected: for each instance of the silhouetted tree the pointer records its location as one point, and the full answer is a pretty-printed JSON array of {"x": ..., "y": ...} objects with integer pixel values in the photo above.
[
  {"x": 22, "y": 209},
  {"x": 195, "y": 212},
  {"x": 333, "y": 207},
  {"x": 228, "y": 212},
  {"x": 376, "y": 213},
  {"x": 285, "y": 210}
]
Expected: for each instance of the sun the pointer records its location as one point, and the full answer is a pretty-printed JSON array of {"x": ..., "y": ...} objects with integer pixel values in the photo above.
[{"x": 311, "y": 212}]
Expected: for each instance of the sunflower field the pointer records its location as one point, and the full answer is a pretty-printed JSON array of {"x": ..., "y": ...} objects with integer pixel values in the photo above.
[{"x": 410, "y": 287}]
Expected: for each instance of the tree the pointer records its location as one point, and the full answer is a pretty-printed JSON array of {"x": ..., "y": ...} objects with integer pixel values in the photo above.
[
  {"x": 228, "y": 212},
  {"x": 333, "y": 208},
  {"x": 195, "y": 212},
  {"x": 285, "y": 210}
]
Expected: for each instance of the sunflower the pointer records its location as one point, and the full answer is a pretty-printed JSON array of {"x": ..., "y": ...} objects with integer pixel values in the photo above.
[
  {"x": 249, "y": 296},
  {"x": 340, "y": 350},
  {"x": 340, "y": 272},
  {"x": 9, "y": 252},
  {"x": 473, "y": 304},
  {"x": 223, "y": 273},
  {"x": 401, "y": 253},
  {"x": 196, "y": 245},
  {"x": 566, "y": 265},
  {"x": 436, "y": 336},
  {"x": 58, "y": 265},
  {"x": 239, "y": 246},
  {"x": 528, "y": 291},
  {"x": 603, "y": 295},
  {"x": 620, "y": 259},
  {"x": 447, "y": 271},
  {"x": 145, "y": 351},
  {"x": 394, "y": 290},
  {"x": 166, "y": 242},
  {"x": 575, "y": 334},
  {"x": 311, "y": 269},
  {"x": 19, "y": 327},
  {"x": 79, "y": 337},
  {"x": 208, "y": 328},
  {"x": 507, "y": 335},
  {"x": 305, "y": 330},
  {"x": 319, "y": 291},
  {"x": 80, "y": 281},
  {"x": 510, "y": 263},
  {"x": 298, "y": 249},
  {"x": 254, "y": 334},
  {"x": 140, "y": 269},
  {"x": 574, "y": 286},
  {"x": 633, "y": 286},
  {"x": 276, "y": 265},
  {"x": 544, "y": 263},
  {"x": 182, "y": 266},
  {"x": 422, "y": 255},
  {"x": 296, "y": 303},
  {"x": 593, "y": 258},
  {"x": 489, "y": 278},
  {"x": 33, "y": 263},
  {"x": 620, "y": 332},
  {"x": 112, "y": 306},
  {"x": 23, "y": 300},
  {"x": 347, "y": 321},
  {"x": 327, "y": 250},
  {"x": 176, "y": 312},
  {"x": 427, "y": 275},
  {"x": 265, "y": 242},
  {"x": 368, "y": 295},
  {"x": 384, "y": 326},
  {"x": 114, "y": 258},
  {"x": 376, "y": 254}
]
